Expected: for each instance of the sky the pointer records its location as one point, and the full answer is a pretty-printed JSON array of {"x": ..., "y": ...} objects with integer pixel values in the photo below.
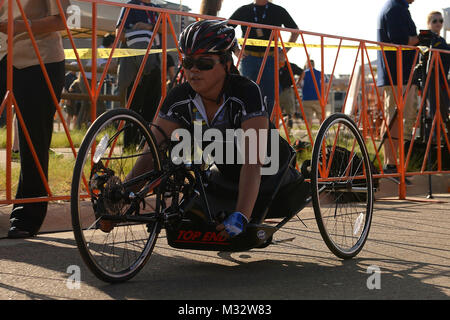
[{"x": 349, "y": 18}]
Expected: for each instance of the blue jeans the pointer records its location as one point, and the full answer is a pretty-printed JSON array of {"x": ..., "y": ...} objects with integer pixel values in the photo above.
[{"x": 249, "y": 68}]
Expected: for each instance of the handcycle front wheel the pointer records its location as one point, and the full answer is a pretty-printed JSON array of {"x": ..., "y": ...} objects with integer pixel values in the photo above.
[
  {"x": 342, "y": 186},
  {"x": 113, "y": 246}
]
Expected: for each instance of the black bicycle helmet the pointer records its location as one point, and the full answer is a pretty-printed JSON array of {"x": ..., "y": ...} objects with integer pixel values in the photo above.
[{"x": 207, "y": 36}]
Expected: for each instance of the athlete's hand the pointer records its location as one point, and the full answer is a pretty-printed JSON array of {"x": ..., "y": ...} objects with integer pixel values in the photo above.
[{"x": 233, "y": 225}]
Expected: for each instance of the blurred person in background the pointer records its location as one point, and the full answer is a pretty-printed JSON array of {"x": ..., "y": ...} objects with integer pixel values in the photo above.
[
  {"x": 435, "y": 23},
  {"x": 35, "y": 103},
  {"x": 287, "y": 95},
  {"x": 267, "y": 13},
  {"x": 310, "y": 99},
  {"x": 395, "y": 25},
  {"x": 210, "y": 7}
]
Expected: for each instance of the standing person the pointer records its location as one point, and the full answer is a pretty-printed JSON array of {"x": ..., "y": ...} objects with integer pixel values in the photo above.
[
  {"x": 395, "y": 25},
  {"x": 311, "y": 104},
  {"x": 287, "y": 96},
  {"x": 210, "y": 7},
  {"x": 262, "y": 12},
  {"x": 435, "y": 22},
  {"x": 84, "y": 114},
  {"x": 3, "y": 49},
  {"x": 35, "y": 103},
  {"x": 137, "y": 33},
  {"x": 2, "y": 82},
  {"x": 72, "y": 107},
  {"x": 171, "y": 73}
]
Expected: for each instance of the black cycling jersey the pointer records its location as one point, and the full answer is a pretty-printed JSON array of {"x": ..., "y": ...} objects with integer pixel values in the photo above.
[{"x": 242, "y": 101}]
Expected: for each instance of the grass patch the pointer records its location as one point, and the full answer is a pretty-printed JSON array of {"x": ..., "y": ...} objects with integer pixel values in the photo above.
[
  {"x": 59, "y": 139},
  {"x": 60, "y": 176},
  {"x": 3, "y": 137}
]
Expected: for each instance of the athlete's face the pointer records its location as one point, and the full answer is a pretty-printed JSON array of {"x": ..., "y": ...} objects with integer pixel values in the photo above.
[{"x": 204, "y": 73}]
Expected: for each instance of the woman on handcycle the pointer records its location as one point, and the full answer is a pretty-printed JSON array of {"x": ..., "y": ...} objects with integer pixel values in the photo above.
[
  {"x": 121, "y": 197},
  {"x": 222, "y": 100}
]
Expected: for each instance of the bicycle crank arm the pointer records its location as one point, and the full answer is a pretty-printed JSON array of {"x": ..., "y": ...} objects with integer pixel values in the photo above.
[{"x": 124, "y": 218}]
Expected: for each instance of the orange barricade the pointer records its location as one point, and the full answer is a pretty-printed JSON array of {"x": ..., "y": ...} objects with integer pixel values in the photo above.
[{"x": 363, "y": 99}]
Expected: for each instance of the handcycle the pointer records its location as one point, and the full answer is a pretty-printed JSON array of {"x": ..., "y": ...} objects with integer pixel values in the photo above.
[{"x": 116, "y": 229}]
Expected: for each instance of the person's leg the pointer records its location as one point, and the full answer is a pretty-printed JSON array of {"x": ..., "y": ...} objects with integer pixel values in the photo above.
[
  {"x": 308, "y": 106},
  {"x": 101, "y": 104},
  {"x": 444, "y": 103},
  {"x": 2, "y": 90},
  {"x": 249, "y": 67},
  {"x": 152, "y": 87},
  {"x": 137, "y": 104},
  {"x": 410, "y": 113},
  {"x": 286, "y": 105},
  {"x": 84, "y": 115},
  {"x": 445, "y": 108},
  {"x": 389, "y": 111},
  {"x": 267, "y": 83},
  {"x": 315, "y": 105},
  {"x": 37, "y": 109},
  {"x": 290, "y": 107}
]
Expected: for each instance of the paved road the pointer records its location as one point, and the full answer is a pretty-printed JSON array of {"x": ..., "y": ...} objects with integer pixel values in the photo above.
[{"x": 408, "y": 242}]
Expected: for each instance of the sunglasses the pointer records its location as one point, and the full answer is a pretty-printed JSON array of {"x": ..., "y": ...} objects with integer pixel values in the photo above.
[
  {"x": 202, "y": 64},
  {"x": 437, "y": 20}
]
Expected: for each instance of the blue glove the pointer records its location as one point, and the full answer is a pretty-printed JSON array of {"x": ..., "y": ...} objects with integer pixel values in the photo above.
[{"x": 235, "y": 224}]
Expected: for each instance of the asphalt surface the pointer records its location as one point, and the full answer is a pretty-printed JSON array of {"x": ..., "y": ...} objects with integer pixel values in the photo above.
[{"x": 408, "y": 244}]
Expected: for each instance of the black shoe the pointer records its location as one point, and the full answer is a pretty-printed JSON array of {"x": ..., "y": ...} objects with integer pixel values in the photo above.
[
  {"x": 390, "y": 168},
  {"x": 15, "y": 233}
]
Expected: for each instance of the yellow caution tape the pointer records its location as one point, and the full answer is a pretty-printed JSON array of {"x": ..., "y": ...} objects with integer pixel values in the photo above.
[
  {"x": 265, "y": 43},
  {"x": 104, "y": 53}
]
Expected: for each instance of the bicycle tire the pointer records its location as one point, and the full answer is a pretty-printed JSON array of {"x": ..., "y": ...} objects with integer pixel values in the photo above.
[
  {"x": 91, "y": 240},
  {"x": 343, "y": 193}
]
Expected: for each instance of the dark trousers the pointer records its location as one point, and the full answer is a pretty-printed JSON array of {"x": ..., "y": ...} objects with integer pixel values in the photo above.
[
  {"x": 145, "y": 102},
  {"x": 2, "y": 90},
  {"x": 444, "y": 100},
  {"x": 37, "y": 108}
]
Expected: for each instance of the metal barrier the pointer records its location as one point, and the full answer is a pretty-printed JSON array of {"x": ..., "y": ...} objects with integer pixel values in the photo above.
[{"x": 362, "y": 94}]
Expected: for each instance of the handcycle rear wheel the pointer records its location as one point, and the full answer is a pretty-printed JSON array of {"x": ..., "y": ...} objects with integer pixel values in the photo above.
[
  {"x": 114, "y": 250},
  {"x": 342, "y": 186}
]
